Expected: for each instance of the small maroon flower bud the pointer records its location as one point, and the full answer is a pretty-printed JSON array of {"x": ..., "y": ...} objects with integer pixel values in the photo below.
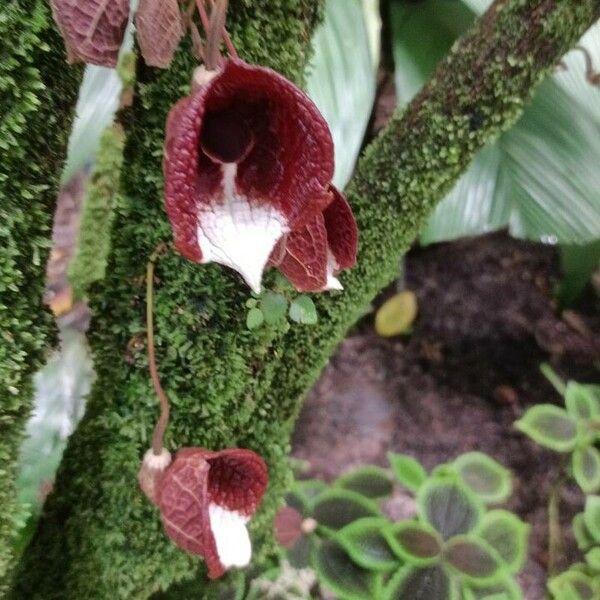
[
  {"x": 206, "y": 500},
  {"x": 288, "y": 526}
]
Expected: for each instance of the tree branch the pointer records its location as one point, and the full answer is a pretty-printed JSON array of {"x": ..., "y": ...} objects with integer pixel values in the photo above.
[
  {"x": 230, "y": 386},
  {"x": 37, "y": 97}
]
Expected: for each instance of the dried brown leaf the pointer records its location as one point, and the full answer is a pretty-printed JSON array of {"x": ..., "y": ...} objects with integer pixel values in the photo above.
[
  {"x": 93, "y": 30},
  {"x": 159, "y": 28}
]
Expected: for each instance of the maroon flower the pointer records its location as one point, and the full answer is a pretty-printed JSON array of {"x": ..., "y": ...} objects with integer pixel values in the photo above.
[
  {"x": 248, "y": 166},
  {"x": 206, "y": 499}
]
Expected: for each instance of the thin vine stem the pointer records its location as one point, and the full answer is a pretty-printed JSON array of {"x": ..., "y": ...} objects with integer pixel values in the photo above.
[
  {"x": 554, "y": 530},
  {"x": 214, "y": 26},
  {"x": 163, "y": 420}
]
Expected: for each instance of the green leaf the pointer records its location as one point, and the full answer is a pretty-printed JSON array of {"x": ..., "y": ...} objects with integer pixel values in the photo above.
[
  {"x": 484, "y": 476},
  {"x": 337, "y": 508},
  {"x": 309, "y": 488},
  {"x": 346, "y": 579},
  {"x": 255, "y": 318},
  {"x": 592, "y": 558},
  {"x": 580, "y": 401},
  {"x": 303, "y": 310},
  {"x": 412, "y": 583},
  {"x": 449, "y": 507},
  {"x": 508, "y": 589},
  {"x": 342, "y": 77},
  {"x": 507, "y": 535},
  {"x": 409, "y": 472},
  {"x": 586, "y": 468},
  {"x": 415, "y": 542},
  {"x": 581, "y": 533},
  {"x": 273, "y": 307},
  {"x": 372, "y": 482},
  {"x": 300, "y": 553},
  {"x": 473, "y": 559},
  {"x": 591, "y": 516},
  {"x": 572, "y": 585},
  {"x": 364, "y": 541},
  {"x": 577, "y": 265},
  {"x": 549, "y": 426}
]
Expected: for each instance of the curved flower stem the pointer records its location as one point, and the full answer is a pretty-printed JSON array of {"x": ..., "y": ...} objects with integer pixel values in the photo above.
[
  {"x": 214, "y": 26},
  {"x": 590, "y": 73},
  {"x": 163, "y": 421}
]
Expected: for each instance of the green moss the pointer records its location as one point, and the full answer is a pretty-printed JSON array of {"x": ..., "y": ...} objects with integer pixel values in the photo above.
[
  {"x": 89, "y": 261},
  {"x": 228, "y": 385},
  {"x": 37, "y": 93}
]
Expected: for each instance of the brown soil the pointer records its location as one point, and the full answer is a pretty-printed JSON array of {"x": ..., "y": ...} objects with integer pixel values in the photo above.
[{"x": 470, "y": 368}]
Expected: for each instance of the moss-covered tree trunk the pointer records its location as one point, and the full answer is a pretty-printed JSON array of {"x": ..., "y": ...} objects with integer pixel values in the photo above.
[
  {"x": 37, "y": 97},
  {"x": 230, "y": 386}
]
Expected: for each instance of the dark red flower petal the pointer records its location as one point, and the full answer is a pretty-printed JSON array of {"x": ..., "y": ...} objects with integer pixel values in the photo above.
[
  {"x": 342, "y": 232},
  {"x": 92, "y": 29},
  {"x": 248, "y": 158},
  {"x": 305, "y": 259},
  {"x": 201, "y": 483}
]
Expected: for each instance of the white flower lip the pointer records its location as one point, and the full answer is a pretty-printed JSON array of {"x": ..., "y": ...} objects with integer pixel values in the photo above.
[
  {"x": 239, "y": 233},
  {"x": 231, "y": 536}
]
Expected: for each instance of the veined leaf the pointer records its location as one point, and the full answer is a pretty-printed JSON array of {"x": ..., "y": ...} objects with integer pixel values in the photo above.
[
  {"x": 409, "y": 472},
  {"x": 364, "y": 541},
  {"x": 431, "y": 583},
  {"x": 348, "y": 580},
  {"x": 335, "y": 509},
  {"x": 473, "y": 559},
  {"x": 370, "y": 481},
  {"x": 416, "y": 543},
  {"x": 484, "y": 476},
  {"x": 586, "y": 468},
  {"x": 449, "y": 507},
  {"x": 549, "y": 426},
  {"x": 507, "y": 535}
]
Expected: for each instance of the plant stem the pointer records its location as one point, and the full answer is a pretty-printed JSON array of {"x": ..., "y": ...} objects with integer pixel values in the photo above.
[
  {"x": 554, "y": 531},
  {"x": 163, "y": 420},
  {"x": 550, "y": 374}
]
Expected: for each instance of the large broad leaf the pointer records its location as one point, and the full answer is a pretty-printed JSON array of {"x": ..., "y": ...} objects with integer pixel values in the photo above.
[
  {"x": 507, "y": 535},
  {"x": 541, "y": 177},
  {"x": 549, "y": 426},
  {"x": 335, "y": 509},
  {"x": 484, "y": 476},
  {"x": 371, "y": 481},
  {"x": 367, "y": 545},
  {"x": 473, "y": 559},
  {"x": 337, "y": 571},
  {"x": 342, "y": 76},
  {"x": 413, "y": 583},
  {"x": 449, "y": 507}
]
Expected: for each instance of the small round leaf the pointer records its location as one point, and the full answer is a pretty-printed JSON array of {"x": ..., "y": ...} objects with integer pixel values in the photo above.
[
  {"x": 345, "y": 578},
  {"x": 586, "y": 468},
  {"x": 337, "y": 508},
  {"x": 572, "y": 585},
  {"x": 273, "y": 306},
  {"x": 549, "y": 426},
  {"x": 255, "y": 318},
  {"x": 430, "y": 583},
  {"x": 582, "y": 535},
  {"x": 581, "y": 401},
  {"x": 397, "y": 314},
  {"x": 415, "y": 542},
  {"x": 591, "y": 516},
  {"x": 507, "y": 535},
  {"x": 372, "y": 482},
  {"x": 484, "y": 476},
  {"x": 508, "y": 589},
  {"x": 473, "y": 559},
  {"x": 303, "y": 310},
  {"x": 449, "y": 507},
  {"x": 364, "y": 541},
  {"x": 409, "y": 472}
]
